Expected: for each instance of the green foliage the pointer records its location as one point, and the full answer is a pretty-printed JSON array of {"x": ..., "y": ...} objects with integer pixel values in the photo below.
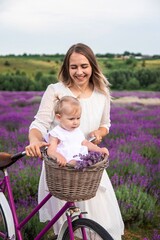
[
  {"x": 14, "y": 82},
  {"x": 53, "y": 72},
  {"x": 155, "y": 132},
  {"x": 34, "y": 226},
  {"x": 146, "y": 77},
  {"x": 25, "y": 182},
  {"x": 150, "y": 152},
  {"x": 20, "y": 82},
  {"x": 143, "y": 63},
  {"x": 137, "y": 206},
  {"x": 119, "y": 78},
  {"x": 133, "y": 83},
  {"x": 32, "y": 72},
  {"x": 38, "y": 76},
  {"x": 108, "y": 65},
  {"x": 128, "y": 168},
  {"x": 6, "y": 63},
  {"x": 156, "y": 85},
  {"x": 137, "y": 79},
  {"x": 44, "y": 81},
  {"x": 131, "y": 62}
]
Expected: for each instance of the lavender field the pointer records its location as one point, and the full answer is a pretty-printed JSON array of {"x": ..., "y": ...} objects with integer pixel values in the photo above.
[{"x": 133, "y": 142}]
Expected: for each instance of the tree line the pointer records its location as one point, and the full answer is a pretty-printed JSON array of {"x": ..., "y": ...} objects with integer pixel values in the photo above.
[
  {"x": 138, "y": 79},
  {"x": 104, "y": 55}
]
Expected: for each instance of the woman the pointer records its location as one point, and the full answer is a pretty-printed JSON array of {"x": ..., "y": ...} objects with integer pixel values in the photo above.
[{"x": 80, "y": 77}]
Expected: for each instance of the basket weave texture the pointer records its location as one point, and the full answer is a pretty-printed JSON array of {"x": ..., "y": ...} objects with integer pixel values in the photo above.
[{"x": 70, "y": 184}]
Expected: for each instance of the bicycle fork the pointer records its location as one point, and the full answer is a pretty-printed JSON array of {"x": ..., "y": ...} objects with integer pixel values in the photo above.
[{"x": 71, "y": 213}]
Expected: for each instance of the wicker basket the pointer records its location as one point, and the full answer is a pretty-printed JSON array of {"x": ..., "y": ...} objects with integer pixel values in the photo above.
[{"x": 69, "y": 184}]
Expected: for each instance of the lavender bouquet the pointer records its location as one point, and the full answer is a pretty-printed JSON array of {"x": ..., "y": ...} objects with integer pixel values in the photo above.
[{"x": 88, "y": 160}]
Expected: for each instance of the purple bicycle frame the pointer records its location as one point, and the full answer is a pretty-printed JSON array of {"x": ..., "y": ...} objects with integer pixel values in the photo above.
[{"x": 18, "y": 226}]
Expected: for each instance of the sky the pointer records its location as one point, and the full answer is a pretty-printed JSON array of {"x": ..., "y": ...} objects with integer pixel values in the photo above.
[{"x": 52, "y": 26}]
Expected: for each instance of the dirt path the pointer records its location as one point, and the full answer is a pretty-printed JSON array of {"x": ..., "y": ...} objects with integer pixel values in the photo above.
[{"x": 143, "y": 101}]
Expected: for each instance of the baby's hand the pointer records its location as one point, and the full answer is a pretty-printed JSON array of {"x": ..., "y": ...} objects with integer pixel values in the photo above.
[
  {"x": 72, "y": 162},
  {"x": 105, "y": 151},
  {"x": 61, "y": 161}
]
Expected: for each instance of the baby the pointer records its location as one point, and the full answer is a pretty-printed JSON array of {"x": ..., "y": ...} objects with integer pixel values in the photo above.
[{"x": 66, "y": 140}]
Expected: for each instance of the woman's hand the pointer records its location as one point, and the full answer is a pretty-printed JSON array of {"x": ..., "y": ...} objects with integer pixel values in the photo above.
[
  {"x": 98, "y": 134},
  {"x": 33, "y": 149}
]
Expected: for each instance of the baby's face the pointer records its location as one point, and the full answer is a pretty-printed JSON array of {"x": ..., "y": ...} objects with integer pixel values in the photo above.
[{"x": 70, "y": 121}]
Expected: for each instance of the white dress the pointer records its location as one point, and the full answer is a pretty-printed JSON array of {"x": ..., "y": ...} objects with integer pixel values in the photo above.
[
  {"x": 103, "y": 208},
  {"x": 70, "y": 145}
]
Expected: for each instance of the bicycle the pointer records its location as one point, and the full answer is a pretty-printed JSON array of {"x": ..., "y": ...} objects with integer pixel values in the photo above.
[{"x": 75, "y": 227}]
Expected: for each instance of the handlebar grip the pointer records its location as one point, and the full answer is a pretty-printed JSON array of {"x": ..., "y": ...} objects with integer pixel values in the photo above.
[{"x": 18, "y": 155}]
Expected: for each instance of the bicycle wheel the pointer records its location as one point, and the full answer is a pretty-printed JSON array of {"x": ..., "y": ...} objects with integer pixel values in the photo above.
[
  {"x": 92, "y": 230},
  {"x": 3, "y": 225},
  {"x": 7, "y": 230}
]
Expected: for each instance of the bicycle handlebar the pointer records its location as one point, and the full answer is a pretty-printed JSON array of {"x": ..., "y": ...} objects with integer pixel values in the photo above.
[
  {"x": 18, "y": 156},
  {"x": 7, "y": 159}
]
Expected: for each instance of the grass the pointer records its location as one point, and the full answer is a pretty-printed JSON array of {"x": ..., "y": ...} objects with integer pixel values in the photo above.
[
  {"x": 122, "y": 64},
  {"x": 31, "y": 65}
]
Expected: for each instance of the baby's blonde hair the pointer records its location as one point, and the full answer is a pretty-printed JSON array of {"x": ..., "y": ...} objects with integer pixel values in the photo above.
[{"x": 67, "y": 105}]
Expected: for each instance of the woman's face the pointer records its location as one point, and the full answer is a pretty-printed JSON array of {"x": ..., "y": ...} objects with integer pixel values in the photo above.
[{"x": 80, "y": 69}]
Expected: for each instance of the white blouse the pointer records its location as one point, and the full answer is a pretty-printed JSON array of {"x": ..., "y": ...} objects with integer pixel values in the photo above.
[{"x": 95, "y": 110}]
